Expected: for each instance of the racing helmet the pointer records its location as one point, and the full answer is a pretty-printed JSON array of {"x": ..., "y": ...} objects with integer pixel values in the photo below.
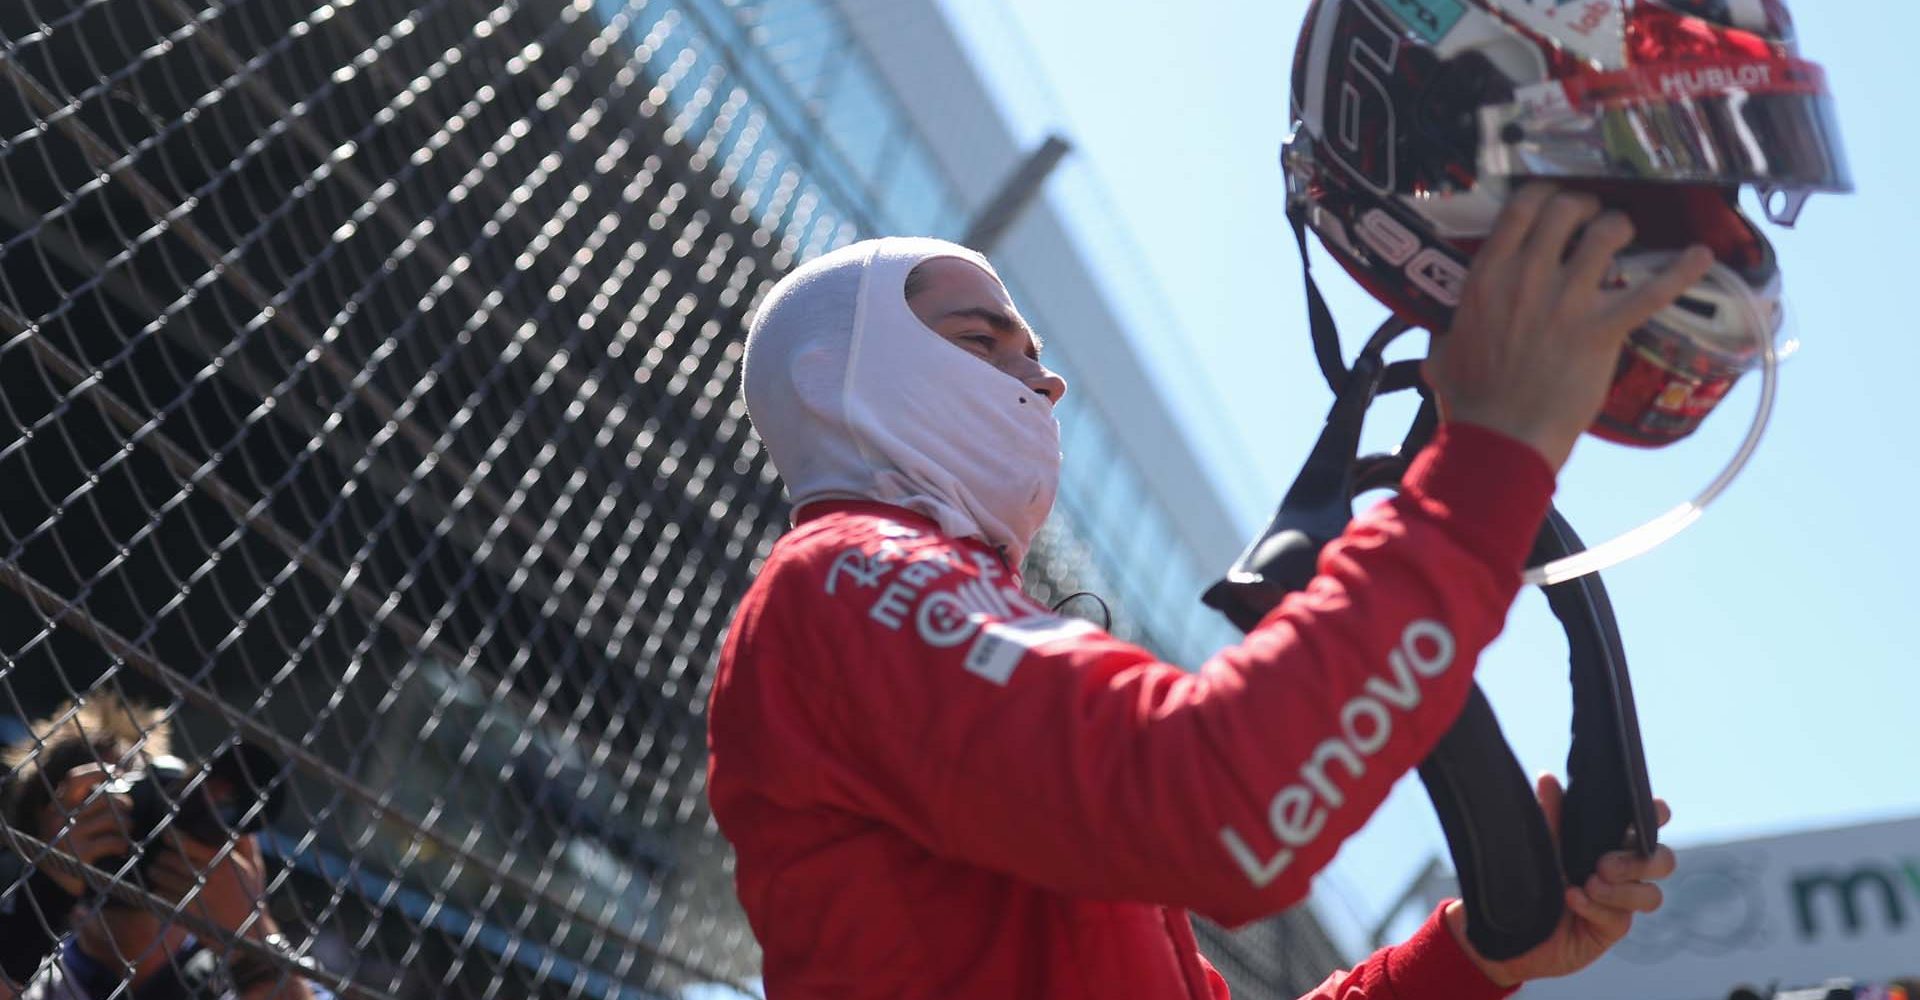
[{"x": 1414, "y": 120}]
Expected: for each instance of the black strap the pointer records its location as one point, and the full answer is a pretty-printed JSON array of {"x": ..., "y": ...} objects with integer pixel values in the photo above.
[
  {"x": 1608, "y": 790},
  {"x": 1326, "y": 334},
  {"x": 1318, "y": 506},
  {"x": 1501, "y": 847},
  {"x": 1511, "y": 877}
]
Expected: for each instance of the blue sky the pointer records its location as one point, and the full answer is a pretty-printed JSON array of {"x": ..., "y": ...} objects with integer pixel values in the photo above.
[{"x": 1773, "y": 644}]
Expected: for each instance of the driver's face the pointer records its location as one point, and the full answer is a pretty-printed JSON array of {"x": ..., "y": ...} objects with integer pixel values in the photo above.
[{"x": 971, "y": 309}]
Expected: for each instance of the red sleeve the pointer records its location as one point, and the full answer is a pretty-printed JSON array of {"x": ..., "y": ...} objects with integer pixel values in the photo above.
[
  {"x": 951, "y": 707},
  {"x": 1429, "y": 964}
]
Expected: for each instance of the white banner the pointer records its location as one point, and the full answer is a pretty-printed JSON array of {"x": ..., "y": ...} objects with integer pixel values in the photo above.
[{"x": 1796, "y": 911}]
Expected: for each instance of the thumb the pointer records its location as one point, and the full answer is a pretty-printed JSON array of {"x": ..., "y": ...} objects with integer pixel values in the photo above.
[{"x": 1548, "y": 790}]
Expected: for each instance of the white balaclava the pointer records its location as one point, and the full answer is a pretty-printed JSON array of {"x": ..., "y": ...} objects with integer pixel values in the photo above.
[{"x": 856, "y": 398}]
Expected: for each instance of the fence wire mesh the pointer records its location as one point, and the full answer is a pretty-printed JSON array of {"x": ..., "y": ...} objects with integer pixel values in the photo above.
[
  {"x": 376, "y": 488},
  {"x": 369, "y": 450}
]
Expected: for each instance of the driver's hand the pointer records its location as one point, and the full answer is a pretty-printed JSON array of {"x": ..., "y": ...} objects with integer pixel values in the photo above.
[
  {"x": 1598, "y": 914},
  {"x": 1536, "y": 340}
]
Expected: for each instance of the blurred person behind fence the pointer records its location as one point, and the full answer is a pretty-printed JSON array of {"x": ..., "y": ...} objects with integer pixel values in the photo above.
[
  {"x": 68, "y": 787},
  {"x": 938, "y": 788}
]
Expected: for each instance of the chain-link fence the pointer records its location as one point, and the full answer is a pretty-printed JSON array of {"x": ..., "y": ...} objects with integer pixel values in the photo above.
[
  {"x": 367, "y": 416},
  {"x": 374, "y": 490}
]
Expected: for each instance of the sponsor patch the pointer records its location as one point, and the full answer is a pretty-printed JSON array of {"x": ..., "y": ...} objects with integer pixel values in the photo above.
[
  {"x": 1594, "y": 30},
  {"x": 1002, "y": 645},
  {"x": 1430, "y": 19}
]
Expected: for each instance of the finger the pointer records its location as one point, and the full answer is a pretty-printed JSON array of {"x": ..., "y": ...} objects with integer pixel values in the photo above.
[
  {"x": 106, "y": 808},
  {"x": 1626, "y": 866},
  {"x": 99, "y": 826},
  {"x": 55, "y": 824},
  {"x": 1662, "y": 816},
  {"x": 162, "y": 867},
  {"x": 1593, "y": 257},
  {"x": 1552, "y": 796},
  {"x": 1608, "y": 923},
  {"x": 1515, "y": 222},
  {"x": 177, "y": 881},
  {"x": 169, "y": 876},
  {"x": 172, "y": 842},
  {"x": 1634, "y": 897},
  {"x": 101, "y": 847},
  {"x": 1546, "y": 247},
  {"x": 201, "y": 854},
  {"x": 1635, "y": 306},
  {"x": 1538, "y": 282},
  {"x": 87, "y": 845},
  {"x": 171, "y": 887},
  {"x": 171, "y": 861},
  {"x": 79, "y": 783}
]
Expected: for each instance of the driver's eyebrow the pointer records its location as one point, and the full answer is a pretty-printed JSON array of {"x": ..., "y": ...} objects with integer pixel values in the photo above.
[{"x": 1002, "y": 322}]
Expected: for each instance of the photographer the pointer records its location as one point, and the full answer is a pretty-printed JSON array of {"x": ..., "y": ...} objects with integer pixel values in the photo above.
[
  {"x": 63, "y": 790},
  {"x": 56, "y": 791}
]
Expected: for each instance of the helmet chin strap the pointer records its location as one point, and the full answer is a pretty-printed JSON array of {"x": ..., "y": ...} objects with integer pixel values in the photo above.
[
  {"x": 1512, "y": 874},
  {"x": 1398, "y": 376}
]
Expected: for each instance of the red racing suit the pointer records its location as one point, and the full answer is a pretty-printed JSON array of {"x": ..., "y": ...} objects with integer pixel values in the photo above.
[{"x": 936, "y": 788}]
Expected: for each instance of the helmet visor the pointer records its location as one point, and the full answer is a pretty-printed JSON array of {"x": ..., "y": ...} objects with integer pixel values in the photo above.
[{"x": 1769, "y": 123}]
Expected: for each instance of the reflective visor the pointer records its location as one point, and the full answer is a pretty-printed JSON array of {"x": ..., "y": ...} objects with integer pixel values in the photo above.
[{"x": 1766, "y": 122}]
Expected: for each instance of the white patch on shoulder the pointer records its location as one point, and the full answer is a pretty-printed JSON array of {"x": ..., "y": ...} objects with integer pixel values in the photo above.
[{"x": 1002, "y": 645}]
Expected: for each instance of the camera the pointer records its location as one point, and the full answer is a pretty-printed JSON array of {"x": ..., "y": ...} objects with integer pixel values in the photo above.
[{"x": 229, "y": 794}]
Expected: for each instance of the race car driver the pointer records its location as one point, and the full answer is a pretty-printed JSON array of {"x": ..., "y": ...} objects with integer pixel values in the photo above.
[{"x": 937, "y": 788}]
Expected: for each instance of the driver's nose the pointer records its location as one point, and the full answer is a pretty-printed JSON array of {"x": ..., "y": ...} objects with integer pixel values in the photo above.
[{"x": 1041, "y": 379}]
